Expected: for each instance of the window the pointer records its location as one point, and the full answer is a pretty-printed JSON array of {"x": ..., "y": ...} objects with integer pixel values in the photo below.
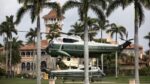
[
  {"x": 43, "y": 65},
  {"x": 28, "y": 65},
  {"x": 23, "y": 66},
  {"x": 23, "y": 53},
  {"x": 28, "y": 53},
  {"x": 67, "y": 40},
  {"x": 42, "y": 53}
]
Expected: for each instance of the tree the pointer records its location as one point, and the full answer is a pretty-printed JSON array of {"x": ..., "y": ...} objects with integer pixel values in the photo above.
[
  {"x": 6, "y": 29},
  {"x": 148, "y": 38},
  {"x": 32, "y": 34},
  {"x": 1, "y": 45},
  {"x": 35, "y": 7},
  {"x": 138, "y": 20},
  {"x": 91, "y": 22},
  {"x": 54, "y": 31},
  {"x": 83, "y": 7},
  {"x": 77, "y": 28},
  {"x": 102, "y": 25},
  {"x": 15, "y": 44},
  {"x": 116, "y": 30}
]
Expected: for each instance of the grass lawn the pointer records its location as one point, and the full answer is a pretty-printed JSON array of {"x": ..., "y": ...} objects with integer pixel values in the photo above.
[{"x": 105, "y": 80}]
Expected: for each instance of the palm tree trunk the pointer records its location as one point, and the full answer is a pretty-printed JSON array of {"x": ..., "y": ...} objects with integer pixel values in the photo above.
[
  {"x": 116, "y": 63},
  {"x": 101, "y": 36},
  {"x": 102, "y": 62},
  {"x": 116, "y": 37},
  {"x": 149, "y": 47},
  {"x": 86, "y": 52},
  {"x": 34, "y": 60},
  {"x": 116, "y": 57},
  {"x": 38, "y": 51},
  {"x": 137, "y": 81},
  {"x": 10, "y": 59},
  {"x": 5, "y": 53}
]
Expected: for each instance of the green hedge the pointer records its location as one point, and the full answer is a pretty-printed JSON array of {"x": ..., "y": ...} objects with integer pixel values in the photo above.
[{"x": 2, "y": 72}]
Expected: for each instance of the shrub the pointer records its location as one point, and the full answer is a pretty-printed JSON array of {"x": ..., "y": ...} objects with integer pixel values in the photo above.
[
  {"x": 145, "y": 71},
  {"x": 2, "y": 72}
]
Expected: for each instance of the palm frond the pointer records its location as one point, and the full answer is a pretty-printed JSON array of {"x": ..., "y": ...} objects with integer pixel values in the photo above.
[
  {"x": 99, "y": 12},
  {"x": 140, "y": 13},
  {"x": 70, "y": 4},
  {"x": 146, "y": 3},
  {"x": 112, "y": 6},
  {"x": 55, "y": 6},
  {"x": 33, "y": 14},
  {"x": 101, "y": 3},
  {"x": 21, "y": 13}
]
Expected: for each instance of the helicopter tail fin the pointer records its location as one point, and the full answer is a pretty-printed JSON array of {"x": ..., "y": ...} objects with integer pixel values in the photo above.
[{"x": 124, "y": 45}]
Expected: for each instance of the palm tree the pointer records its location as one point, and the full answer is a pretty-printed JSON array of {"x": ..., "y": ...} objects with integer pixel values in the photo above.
[
  {"x": 16, "y": 44},
  {"x": 14, "y": 53},
  {"x": 31, "y": 35},
  {"x": 7, "y": 28},
  {"x": 116, "y": 30},
  {"x": 102, "y": 25},
  {"x": 91, "y": 22},
  {"x": 35, "y": 7},
  {"x": 148, "y": 38},
  {"x": 138, "y": 20},
  {"x": 77, "y": 28},
  {"x": 54, "y": 31},
  {"x": 83, "y": 7}
]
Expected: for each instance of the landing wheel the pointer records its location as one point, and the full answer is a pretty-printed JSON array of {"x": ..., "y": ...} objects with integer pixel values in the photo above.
[
  {"x": 59, "y": 58},
  {"x": 68, "y": 58}
]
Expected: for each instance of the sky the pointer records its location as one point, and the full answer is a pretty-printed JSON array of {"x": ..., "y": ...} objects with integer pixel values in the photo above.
[{"x": 119, "y": 16}]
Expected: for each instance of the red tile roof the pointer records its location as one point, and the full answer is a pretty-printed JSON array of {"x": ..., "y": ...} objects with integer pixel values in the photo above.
[
  {"x": 52, "y": 14},
  {"x": 2, "y": 48},
  {"x": 44, "y": 44},
  {"x": 132, "y": 46}
]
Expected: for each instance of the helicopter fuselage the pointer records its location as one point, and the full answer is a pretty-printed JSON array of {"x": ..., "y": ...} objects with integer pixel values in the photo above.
[{"x": 75, "y": 47}]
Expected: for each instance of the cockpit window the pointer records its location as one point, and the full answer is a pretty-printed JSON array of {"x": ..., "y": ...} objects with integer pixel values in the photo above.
[{"x": 66, "y": 40}]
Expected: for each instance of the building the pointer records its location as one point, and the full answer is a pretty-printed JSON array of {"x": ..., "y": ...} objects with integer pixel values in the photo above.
[
  {"x": 127, "y": 58},
  {"x": 52, "y": 18},
  {"x": 28, "y": 58}
]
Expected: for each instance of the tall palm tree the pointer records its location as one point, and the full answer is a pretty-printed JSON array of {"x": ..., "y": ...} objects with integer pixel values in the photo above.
[
  {"x": 31, "y": 35},
  {"x": 102, "y": 25},
  {"x": 83, "y": 7},
  {"x": 138, "y": 20},
  {"x": 7, "y": 28},
  {"x": 116, "y": 30},
  {"x": 54, "y": 31},
  {"x": 148, "y": 38},
  {"x": 14, "y": 45},
  {"x": 35, "y": 7}
]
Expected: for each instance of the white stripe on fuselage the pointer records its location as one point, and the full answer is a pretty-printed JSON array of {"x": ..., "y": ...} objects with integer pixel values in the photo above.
[{"x": 89, "y": 43}]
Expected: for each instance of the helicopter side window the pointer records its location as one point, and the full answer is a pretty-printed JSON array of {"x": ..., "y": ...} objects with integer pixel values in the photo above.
[{"x": 69, "y": 40}]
